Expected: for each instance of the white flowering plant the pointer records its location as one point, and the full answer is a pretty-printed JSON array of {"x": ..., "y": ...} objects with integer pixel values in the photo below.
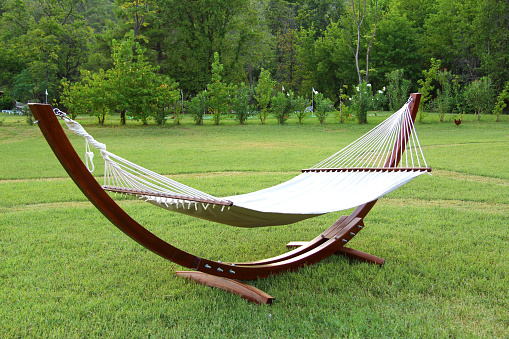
[
  {"x": 362, "y": 101},
  {"x": 380, "y": 100}
]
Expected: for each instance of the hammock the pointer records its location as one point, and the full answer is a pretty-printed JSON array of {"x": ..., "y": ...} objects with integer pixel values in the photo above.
[
  {"x": 392, "y": 142},
  {"x": 361, "y": 172}
]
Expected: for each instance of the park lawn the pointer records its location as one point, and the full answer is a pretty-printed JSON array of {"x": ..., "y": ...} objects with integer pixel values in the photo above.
[{"x": 67, "y": 272}]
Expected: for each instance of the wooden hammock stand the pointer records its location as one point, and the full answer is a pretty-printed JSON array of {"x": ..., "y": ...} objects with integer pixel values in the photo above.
[{"x": 226, "y": 276}]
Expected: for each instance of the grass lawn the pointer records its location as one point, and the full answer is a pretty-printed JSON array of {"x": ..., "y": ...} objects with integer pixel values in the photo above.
[{"x": 65, "y": 271}]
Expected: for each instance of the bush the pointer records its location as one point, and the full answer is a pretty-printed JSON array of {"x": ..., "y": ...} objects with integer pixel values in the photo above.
[
  {"x": 299, "y": 105},
  {"x": 343, "y": 114},
  {"x": 398, "y": 89},
  {"x": 264, "y": 93},
  {"x": 362, "y": 102},
  {"x": 6, "y": 102},
  {"x": 281, "y": 107},
  {"x": 197, "y": 107},
  {"x": 501, "y": 101},
  {"x": 323, "y": 107},
  {"x": 241, "y": 105},
  {"x": 446, "y": 95},
  {"x": 480, "y": 96},
  {"x": 380, "y": 100},
  {"x": 28, "y": 113}
]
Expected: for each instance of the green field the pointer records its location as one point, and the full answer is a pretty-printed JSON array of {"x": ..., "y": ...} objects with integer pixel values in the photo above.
[{"x": 65, "y": 271}]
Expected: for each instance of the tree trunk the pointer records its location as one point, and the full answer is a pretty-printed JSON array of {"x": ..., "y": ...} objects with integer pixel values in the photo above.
[{"x": 122, "y": 117}]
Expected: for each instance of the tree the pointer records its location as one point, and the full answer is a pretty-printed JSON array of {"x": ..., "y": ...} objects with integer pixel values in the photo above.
[
  {"x": 249, "y": 46},
  {"x": 197, "y": 107},
  {"x": 74, "y": 97},
  {"x": 281, "y": 107},
  {"x": 441, "y": 84},
  {"x": 299, "y": 105},
  {"x": 358, "y": 21},
  {"x": 316, "y": 14},
  {"x": 263, "y": 92},
  {"x": 93, "y": 94},
  {"x": 396, "y": 47},
  {"x": 140, "y": 89},
  {"x": 398, "y": 89},
  {"x": 198, "y": 29},
  {"x": 241, "y": 103},
  {"x": 490, "y": 39},
  {"x": 426, "y": 85},
  {"x": 287, "y": 65},
  {"x": 501, "y": 101},
  {"x": 218, "y": 92},
  {"x": 132, "y": 85},
  {"x": 50, "y": 40},
  {"x": 479, "y": 95},
  {"x": 446, "y": 94},
  {"x": 135, "y": 13},
  {"x": 322, "y": 62}
]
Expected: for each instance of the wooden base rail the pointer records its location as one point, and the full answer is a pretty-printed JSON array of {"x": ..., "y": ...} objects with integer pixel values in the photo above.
[{"x": 246, "y": 291}]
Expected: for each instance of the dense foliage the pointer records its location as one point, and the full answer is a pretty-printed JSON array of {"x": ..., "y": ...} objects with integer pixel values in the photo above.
[{"x": 266, "y": 44}]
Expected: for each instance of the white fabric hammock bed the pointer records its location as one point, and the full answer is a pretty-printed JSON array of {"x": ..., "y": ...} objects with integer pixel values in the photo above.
[{"x": 359, "y": 173}]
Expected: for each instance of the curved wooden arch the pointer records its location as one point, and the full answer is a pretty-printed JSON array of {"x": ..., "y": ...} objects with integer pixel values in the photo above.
[{"x": 329, "y": 242}]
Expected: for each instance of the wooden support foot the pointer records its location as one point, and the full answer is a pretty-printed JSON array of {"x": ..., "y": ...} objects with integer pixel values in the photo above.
[
  {"x": 246, "y": 291},
  {"x": 358, "y": 255}
]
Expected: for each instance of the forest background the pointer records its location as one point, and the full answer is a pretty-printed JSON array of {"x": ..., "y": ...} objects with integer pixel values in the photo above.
[{"x": 166, "y": 51}]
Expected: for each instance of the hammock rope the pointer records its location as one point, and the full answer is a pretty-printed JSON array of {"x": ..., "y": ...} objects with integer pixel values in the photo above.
[{"x": 375, "y": 148}]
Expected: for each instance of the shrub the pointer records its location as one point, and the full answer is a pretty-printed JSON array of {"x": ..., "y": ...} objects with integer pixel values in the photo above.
[
  {"x": 241, "y": 105},
  {"x": 362, "y": 102},
  {"x": 398, "y": 89},
  {"x": 380, "y": 100},
  {"x": 264, "y": 93},
  {"x": 323, "y": 107},
  {"x": 447, "y": 98},
  {"x": 28, "y": 113},
  {"x": 343, "y": 114},
  {"x": 218, "y": 92},
  {"x": 197, "y": 107},
  {"x": 501, "y": 101},
  {"x": 299, "y": 107},
  {"x": 6, "y": 102},
  {"x": 479, "y": 95},
  {"x": 281, "y": 107}
]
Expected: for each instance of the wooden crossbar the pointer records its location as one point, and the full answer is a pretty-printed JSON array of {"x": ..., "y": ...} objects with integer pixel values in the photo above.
[
  {"x": 166, "y": 195},
  {"x": 369, "y": 169}
]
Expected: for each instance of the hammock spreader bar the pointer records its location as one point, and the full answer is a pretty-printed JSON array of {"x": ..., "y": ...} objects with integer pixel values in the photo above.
[
  {"x": 130, "y": 191},
  {"x": 369, "y": 169}
]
